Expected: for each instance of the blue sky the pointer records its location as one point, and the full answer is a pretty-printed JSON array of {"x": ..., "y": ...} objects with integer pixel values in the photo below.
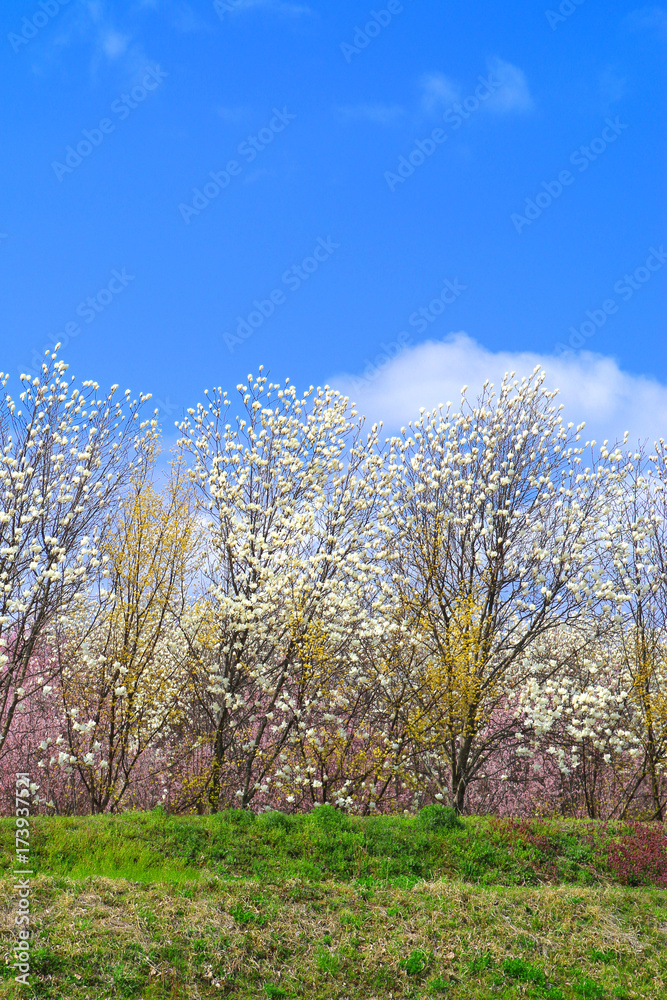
[{"x": 199, "y": 188}]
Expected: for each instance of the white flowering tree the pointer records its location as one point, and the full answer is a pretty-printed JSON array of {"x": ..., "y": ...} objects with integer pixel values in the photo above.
[
  {"x": 66, "y": 455},
  {"x": 299, "y": 615},
  {"x": 577, "y": 711},
  {"x": 635, "y": 539},
  {"x": 496, "y": 535},
  {"x": 289, "y": 491},
  {"x": 660, "y": 516}
]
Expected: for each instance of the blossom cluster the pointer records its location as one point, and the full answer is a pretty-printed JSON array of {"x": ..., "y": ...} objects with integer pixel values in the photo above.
[{"x": 299, "y": 612}]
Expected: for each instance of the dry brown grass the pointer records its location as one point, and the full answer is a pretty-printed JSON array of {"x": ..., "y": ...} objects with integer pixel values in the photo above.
[{"x": 101, "y": 938}]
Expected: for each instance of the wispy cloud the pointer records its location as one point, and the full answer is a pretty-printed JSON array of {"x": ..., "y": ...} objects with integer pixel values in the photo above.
[
  {"x": 182, "y": 15},
  {"x": 651, "y": 18},
  {"x": 513, "y": 94},
  {"x": 112, "y": 33},
  {"x": 93, "y": 25},
  {"x": 438, "y": 92},
  {"x": 285, "y": 8},
  {"x": 592, "y": 387},
  {"x": 113, "y": 43},
  {"x": 187, "y": 20},
  {"x": 503, "y": 91},
  {"x": 379, "y": 114}
]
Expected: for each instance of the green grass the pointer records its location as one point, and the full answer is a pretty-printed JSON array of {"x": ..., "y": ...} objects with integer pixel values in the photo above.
[
  {"x": 324, "y": 906},
  {"x": 322, "y": 845}
]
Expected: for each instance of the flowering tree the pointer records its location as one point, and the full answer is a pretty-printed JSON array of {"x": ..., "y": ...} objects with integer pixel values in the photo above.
[
  {"x": 577, "y": 709},
  {"x": 495, "y": 546},
  {"x": 636, "y": 539},
  {"x": 66, "y": 454},
  {"x": 124, "y": 674},
  {"x": 290, "y": 494},
  {"x": 298, "y": 615}
]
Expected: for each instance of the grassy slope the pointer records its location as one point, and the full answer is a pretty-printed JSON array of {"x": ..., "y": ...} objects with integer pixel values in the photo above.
[{"x": 143, "y": 905}]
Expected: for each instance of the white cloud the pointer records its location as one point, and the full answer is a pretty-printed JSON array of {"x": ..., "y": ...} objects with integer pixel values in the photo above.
[
  {"x": 592, "y": 387},
  {"x": 438, "y": 92},
  {"x": 379, "y": 114},
  {"x": 113, "y": 43},
  {"x": 183, "y": 17},
  {"x": 507, "y": 93},
  {"x": 96, "y": 9},
  {"x": 283, "y": 7},
  {"x": 289, "y": 9},
  {"x": 187, "y": 21},
  {"x": 513, "y": 93},
  {"x": 91, "y": 25}
]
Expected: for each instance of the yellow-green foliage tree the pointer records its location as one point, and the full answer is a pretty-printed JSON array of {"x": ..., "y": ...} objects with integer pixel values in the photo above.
[
  {"x": 450, "y": 698},
  {"x": 125, "y": 667},
  {"x": 354, "y": 750}
]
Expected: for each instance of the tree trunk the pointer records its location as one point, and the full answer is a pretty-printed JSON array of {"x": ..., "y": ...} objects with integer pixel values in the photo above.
[
  {"x": 655, "y": 785},
  {"x": 459, "y": 773},
  {"x": 218, "y": 757}
]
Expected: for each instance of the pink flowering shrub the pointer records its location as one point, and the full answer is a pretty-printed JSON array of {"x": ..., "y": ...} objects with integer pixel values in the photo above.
[
  {"x": 640, "y": 857},
  {"x": 349, "y": 770}
]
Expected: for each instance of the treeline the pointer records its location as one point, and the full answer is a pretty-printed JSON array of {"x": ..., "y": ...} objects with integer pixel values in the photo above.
[{"x": 300, "y": 612}]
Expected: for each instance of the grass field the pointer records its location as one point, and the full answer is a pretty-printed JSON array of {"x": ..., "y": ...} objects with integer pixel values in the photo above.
[{"x": 322, "y": 906}]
